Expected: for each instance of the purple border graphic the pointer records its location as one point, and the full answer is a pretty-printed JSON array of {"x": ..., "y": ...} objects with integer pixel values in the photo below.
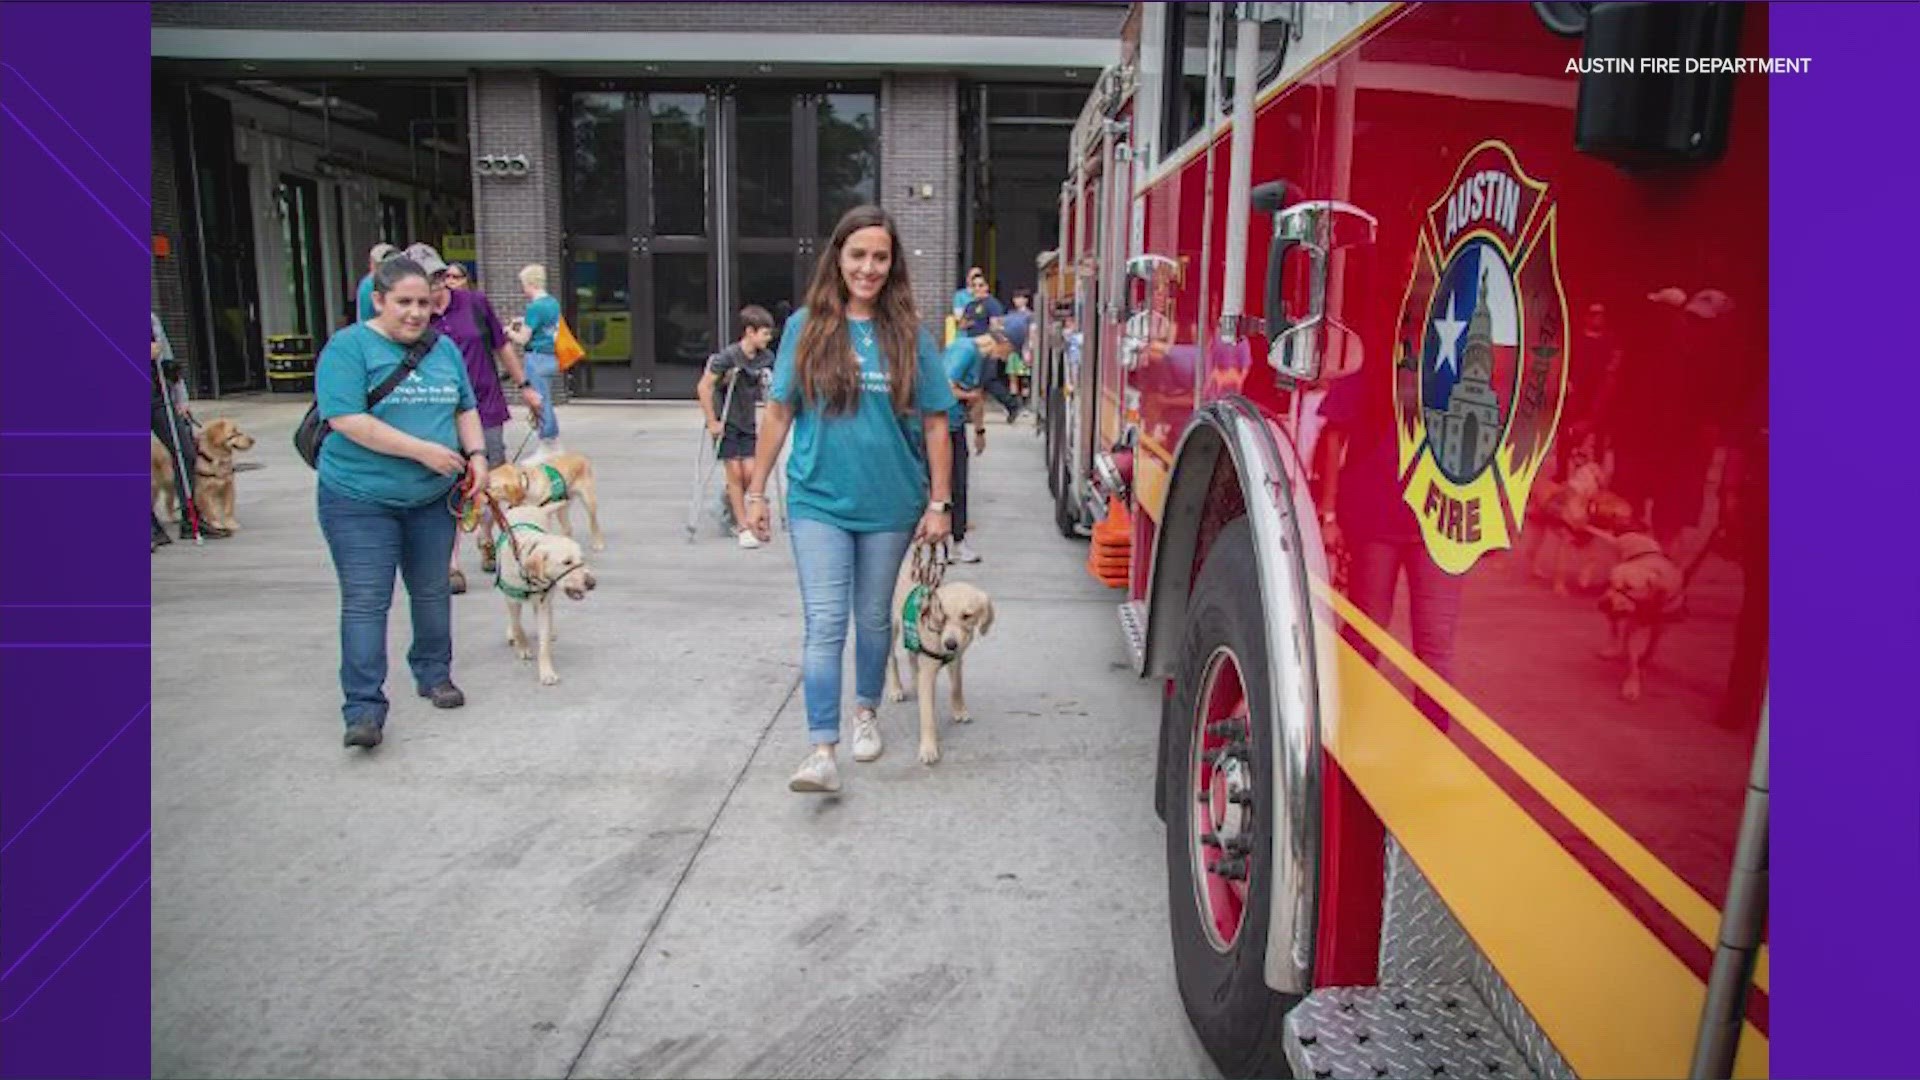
[
  {"x": 1846, "y": 595},
  {"x": 74, "y": 807},
  {"x": 75, "y": 134}
]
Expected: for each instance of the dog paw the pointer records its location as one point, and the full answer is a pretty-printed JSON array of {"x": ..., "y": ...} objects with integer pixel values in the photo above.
[
  {"x": 897, "y": 694},
  {"x": 962, "y": 718},
  {"x": 549, "y": 678},
  {"x": 599, "y": 545},
  {"x": 524, "y": 653},
  {"x": 929, "y": 753}
]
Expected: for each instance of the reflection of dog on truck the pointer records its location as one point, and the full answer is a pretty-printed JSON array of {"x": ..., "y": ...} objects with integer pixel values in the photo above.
[{"x": 1643, "y": 590}]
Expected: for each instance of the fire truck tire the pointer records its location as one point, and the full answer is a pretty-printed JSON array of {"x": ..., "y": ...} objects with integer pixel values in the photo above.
[
  {"x": 1066, "y": 517},
  {"x": 1235, "y": 1014},
  {"x": 1052, "y": 432}
]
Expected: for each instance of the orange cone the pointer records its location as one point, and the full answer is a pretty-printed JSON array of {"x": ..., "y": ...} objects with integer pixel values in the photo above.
[{"x": 1110, "y": 556}]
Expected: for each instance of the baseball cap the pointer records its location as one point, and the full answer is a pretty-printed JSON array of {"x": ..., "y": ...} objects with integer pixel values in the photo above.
[
  {"x": 427, "y": 257},
  {"x": 383, "y": 251}
]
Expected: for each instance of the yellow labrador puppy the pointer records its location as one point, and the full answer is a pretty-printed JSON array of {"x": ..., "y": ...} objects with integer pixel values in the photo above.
[
  {"x": 531, "y": 565},
  {"x": 935, "y": 633},
  {"x": 555, "y": 482}
]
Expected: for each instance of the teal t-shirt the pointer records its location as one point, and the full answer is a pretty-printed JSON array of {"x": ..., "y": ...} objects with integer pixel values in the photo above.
[
  {"x": 366, "y": 298},
  {"x": 861, "y": 471},
  {"x": 542, "y": 316},
  {"x": 962, "y": 362},
  {"x": 356, "y": 360}
]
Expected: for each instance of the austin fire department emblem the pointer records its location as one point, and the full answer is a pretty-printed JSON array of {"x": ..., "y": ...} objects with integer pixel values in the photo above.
[{"x": 1482, "y": 358}]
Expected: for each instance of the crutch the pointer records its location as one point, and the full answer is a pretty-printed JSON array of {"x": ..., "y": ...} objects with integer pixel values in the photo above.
[
  {"x": 190, "y": 513},
  {"x": 705, "y": 459}
]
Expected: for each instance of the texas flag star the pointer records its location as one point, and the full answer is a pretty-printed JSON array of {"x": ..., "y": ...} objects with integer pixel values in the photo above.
[{"x": 1450, "y": 330}]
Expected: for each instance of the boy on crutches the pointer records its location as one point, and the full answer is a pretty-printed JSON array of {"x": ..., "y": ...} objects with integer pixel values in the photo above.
[{"x": 736, "y": 372}]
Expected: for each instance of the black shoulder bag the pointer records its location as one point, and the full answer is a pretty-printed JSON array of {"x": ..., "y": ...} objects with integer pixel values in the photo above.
[{"x": 313, "y": 430}]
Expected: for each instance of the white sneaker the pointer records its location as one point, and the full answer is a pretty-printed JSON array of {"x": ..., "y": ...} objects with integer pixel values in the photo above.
[
  {"x": 866, "y": 737},
  {"x": 748, "y": 540},
  {"x": 963, "y": 553},
  {"x": 817, "y": 773}
]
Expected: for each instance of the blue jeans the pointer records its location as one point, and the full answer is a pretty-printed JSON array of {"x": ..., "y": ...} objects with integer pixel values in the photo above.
[
  {"x": 842, "y": 571},
  {"x": 369, "y": 543},
  {"x": 543, "y": 370}
]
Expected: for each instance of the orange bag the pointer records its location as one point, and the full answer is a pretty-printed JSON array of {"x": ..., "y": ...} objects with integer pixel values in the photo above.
[{"x": 566, "y": 347}]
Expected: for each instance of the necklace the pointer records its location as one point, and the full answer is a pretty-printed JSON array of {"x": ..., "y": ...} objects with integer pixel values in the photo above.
[{"x": 863, "y": 332}]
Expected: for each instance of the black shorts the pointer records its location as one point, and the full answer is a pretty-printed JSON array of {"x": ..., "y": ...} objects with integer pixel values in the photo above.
[{"x": 738, "y": 444}]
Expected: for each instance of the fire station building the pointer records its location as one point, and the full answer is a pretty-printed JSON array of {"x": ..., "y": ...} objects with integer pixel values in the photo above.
[{"x": 667, "y": 162}]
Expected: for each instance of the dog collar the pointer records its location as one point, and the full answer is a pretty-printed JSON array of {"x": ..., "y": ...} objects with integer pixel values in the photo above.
[{"x": 910, "y": 612}]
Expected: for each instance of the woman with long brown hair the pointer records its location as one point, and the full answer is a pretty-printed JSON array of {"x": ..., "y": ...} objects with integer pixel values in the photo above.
[{"x": 858, "y": 381}]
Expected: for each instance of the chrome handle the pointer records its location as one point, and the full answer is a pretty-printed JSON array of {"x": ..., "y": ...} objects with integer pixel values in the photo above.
[
  {"x": 1155, "y": 271},
  {"x": 1319, "y": 227}
]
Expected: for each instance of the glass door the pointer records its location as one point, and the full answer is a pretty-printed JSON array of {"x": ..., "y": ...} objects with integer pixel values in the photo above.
[
  {"x": 769, "y": 226},
  {"x": 639, "y": 217},
  {"x": 679, "y": 283},
  {"x": 682, "y": 204},
  {"x": 801, "y": 160},
  {"x": 300, "y": 234}
]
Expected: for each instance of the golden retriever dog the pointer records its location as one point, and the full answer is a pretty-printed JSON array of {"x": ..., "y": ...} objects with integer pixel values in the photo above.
[
  {"x": 213, "y": 494},
  {"x": 1645, "y": 592},
  {"x": 950, "y": 618},
  {"x": 532, "y": 564},
  {"x": 160, "y": 480},
  {"x": 516, "y": 485}
]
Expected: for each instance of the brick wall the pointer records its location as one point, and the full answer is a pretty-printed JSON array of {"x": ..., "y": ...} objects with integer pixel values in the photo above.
[
  {"x": 169, "y": 274},
  {"x": 1070, "y": 20},
  {"x": 517, "y": 219},
  {"x": 920, "y": 144}
]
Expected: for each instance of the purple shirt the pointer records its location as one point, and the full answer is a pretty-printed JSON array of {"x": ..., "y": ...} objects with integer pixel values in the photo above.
[{"x": 466, "y": 310}]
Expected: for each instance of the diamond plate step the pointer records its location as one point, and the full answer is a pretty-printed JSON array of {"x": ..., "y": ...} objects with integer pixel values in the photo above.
[
  {"x": 1398, "y": 1032},
  {"x": 1133, "y": 623}
]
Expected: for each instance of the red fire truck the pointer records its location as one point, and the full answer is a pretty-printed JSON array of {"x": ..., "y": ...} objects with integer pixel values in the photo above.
[{"x": 1405, "y": 371}]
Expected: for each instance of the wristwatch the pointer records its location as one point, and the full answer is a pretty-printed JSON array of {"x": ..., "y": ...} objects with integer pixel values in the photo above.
[
  {"x": 476, "y": 453},
  {"x": 940, "y": 507}
]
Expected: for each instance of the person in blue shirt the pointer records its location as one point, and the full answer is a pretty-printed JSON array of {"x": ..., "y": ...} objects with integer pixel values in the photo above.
[
  {"x": 965, "y": 363},
  {"x": 964, "y": 294},
  {"x": 982, "y": 313},
  {"x": 985, "y": 313},
  {"x": 385, "y": 477},
  {"x": 363, "y": 301},
  {"x": 533, "y": 333},
  {"x": 859, "y": 384}
]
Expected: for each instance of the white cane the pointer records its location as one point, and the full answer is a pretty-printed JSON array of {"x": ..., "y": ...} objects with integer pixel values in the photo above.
[{"x": 189, "y": 514}]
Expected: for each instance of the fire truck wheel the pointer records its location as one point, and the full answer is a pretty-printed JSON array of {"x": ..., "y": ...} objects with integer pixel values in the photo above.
[
  {"x": 1220, "y": 805},
  {"x": 1065, "y": 517},
  {"x": 1051, "y": 431}
]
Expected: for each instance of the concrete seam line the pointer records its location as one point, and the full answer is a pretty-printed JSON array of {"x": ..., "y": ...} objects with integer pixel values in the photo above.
[{"x": 685, "y": 871}]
